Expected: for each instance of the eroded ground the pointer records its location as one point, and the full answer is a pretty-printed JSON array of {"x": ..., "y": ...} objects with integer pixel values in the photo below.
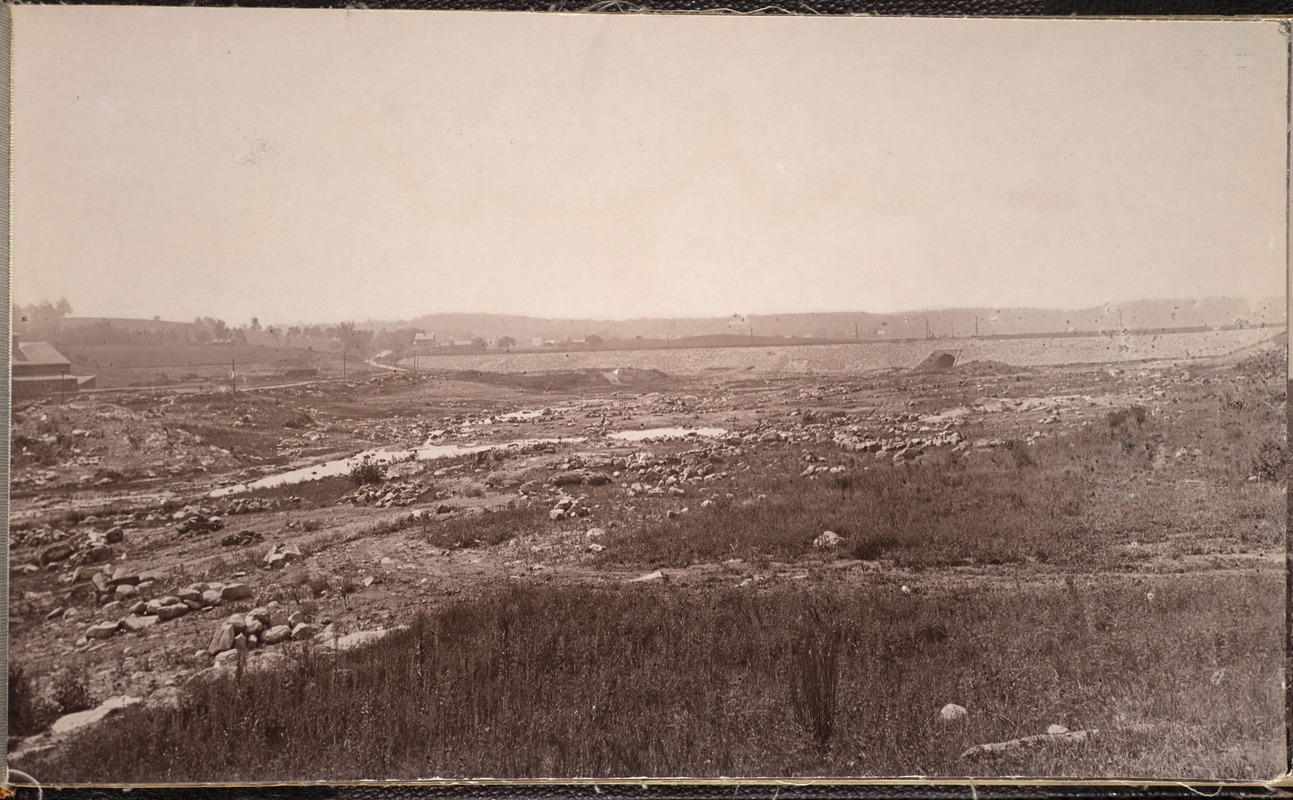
[{"x": 134, "y": 515}]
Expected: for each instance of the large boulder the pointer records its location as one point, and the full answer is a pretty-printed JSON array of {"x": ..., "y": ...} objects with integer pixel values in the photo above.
[
  {"x": 172, "y": 611},
  {"x": 276, "y": 634},
  {"x": 235, "y": 591},
  {"x": 103, "y": 630},
  {"x": 138, "y": 624},
  {"x": 222, "y": 640},
  {"x": 57, "y": 552}
]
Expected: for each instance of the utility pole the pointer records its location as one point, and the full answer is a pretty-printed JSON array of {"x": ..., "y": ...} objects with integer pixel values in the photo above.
[
  {"x": 856, "y": 336},
  {"x": 62, "y": 387},
  {"x": 233, "y": 374},
  {"x": 927, "y": 333},
  {"x": 343, "y": 362},
  {"x": 976, "y": 327},
  {"x": 1120, "y": 320}
]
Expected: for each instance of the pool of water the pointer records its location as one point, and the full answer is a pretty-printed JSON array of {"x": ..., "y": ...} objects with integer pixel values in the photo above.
[
  {"x": 668, "y": 433},
  {"x": 342, "y": 466}
]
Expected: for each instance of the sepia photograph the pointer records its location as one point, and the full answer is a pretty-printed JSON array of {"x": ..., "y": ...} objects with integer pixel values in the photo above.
[{"x": 434, "y": 395}]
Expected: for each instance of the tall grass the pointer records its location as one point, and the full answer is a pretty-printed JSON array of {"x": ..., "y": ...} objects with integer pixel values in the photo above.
[{"x": 532, "y": 681}]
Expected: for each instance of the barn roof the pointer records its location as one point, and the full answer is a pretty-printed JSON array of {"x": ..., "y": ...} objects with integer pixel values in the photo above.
[{"x": 42, "y": 353}]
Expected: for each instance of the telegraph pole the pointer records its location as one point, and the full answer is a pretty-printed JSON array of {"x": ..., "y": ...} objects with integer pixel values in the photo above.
[
  {"x": 233, "y": 374},
  {"x": 343, "y": 362},
  {"x": 856, "y": 336}
]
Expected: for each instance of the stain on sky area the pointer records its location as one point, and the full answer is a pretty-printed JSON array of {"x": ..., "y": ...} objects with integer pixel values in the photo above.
[{"x": 259, "y": 151}]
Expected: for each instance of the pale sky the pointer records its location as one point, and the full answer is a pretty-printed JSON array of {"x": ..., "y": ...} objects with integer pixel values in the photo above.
[{"x": 325, "y": 165}]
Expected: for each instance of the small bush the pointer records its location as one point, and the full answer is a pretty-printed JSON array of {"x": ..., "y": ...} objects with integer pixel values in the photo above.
[
  {"x": 366, "y": 472},
  {"x": 1019, "y": 452},
  {"x": 1271, "y": 461},
  {"x": 872, "y": 545},
  {"x": 72, "y": 694},
  {"x": 299, "y": 420},
  {"x": 28, "y": 714},
  {"x": 1119, "y": 418}
]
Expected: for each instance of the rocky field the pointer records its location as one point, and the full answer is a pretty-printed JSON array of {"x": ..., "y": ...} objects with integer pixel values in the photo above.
[{"x": 624, "y": 568}]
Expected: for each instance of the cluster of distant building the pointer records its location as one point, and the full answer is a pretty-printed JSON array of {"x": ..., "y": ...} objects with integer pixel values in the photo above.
[{"x": 427, "y": 341}]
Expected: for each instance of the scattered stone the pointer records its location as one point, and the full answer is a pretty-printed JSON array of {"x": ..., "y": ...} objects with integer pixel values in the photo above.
[
  {"x": 1039, "y": 740},
  {"x": 103, "y": 630},
  {"x": 952, "y": 713},
  {"x": 56, "y": 553},
  {"x": 172, "y": 611},
  {"x": 277, "y": 634},
  {"x": 242, "y": 539},
  {"x": 235, "y": 591},
  {"x": 137, "y": 624},
  {"x": 223, "y": 639},
  {"x": 828, "y": 540}
]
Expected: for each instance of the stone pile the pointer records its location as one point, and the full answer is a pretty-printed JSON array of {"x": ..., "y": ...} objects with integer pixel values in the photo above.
[
  {"x": 197, "y": 519},
  {"x": 145, "y": 614},
  {"x": 88, "y": 548},
  {"x": 567, "y": 507},
  {"x": 670, "y": 475},
  {"x": 386, "y": 495},
  {"x": 241, "y": 539},
  {"x": 281, "y": 555},
  {"x": 245, "y": 505},
  {"x": 577, "y": 477},
  {"x": 265, "y": 625},
  {"x": 899, "y": 448}
]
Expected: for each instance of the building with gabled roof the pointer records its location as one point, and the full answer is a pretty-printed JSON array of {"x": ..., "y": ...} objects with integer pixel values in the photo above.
[{"x": 37, "y": 369}]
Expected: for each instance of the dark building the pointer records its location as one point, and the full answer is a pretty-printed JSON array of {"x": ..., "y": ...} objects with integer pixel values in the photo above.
[{"x": 39, "y": 370}]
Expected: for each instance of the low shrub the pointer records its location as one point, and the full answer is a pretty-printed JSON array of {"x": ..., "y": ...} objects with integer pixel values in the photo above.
[
  {"x": 366, "y": 472},
  {"x": 28, "y": 712}
]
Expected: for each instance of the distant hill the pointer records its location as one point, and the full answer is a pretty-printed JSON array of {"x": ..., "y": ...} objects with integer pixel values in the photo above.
[{"x": 1135, "y": 315}]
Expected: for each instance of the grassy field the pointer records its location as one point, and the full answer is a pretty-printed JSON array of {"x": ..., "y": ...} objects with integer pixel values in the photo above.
[
  {"x": 581, "y": 681},
  {"x": 177, "y": 356},
  {"x": 116, "y": 366}
]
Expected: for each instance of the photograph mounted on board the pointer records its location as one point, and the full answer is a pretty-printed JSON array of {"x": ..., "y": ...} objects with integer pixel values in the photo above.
[{"x": 416, "y": 395}]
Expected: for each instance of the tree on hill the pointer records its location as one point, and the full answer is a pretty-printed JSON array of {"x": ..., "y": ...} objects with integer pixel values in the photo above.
[
  {"x": 594, "y": 340},
  {"x": 507, "y": 343}
]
